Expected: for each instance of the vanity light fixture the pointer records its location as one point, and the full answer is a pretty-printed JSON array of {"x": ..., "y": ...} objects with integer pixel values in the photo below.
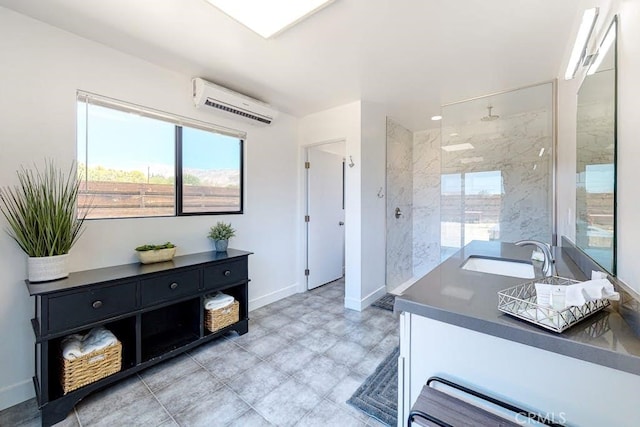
[
  {"x": 436, "y": 118},
  {"x": 457, "y": 147},
  {"x": 603, "y": 49},
  {"x": 580, "y": 45},
  {"x": 269, "y": 17}
]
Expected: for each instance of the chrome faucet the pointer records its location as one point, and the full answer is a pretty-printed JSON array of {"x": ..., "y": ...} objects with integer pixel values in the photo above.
[{"x": 548, "y": 265}]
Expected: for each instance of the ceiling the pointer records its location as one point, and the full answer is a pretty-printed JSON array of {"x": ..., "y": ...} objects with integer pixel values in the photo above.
[{"x": 411, "y": 55}]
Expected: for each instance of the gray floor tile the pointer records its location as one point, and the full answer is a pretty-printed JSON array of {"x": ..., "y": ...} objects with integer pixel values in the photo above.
[
  {"x": 371, "y": 361},
  {"x": 347, "y": 353},
  {"x": 389, "y": 342},
  {"x": 142, "y": 412},
  {"x": 317, "y": 318},
  {"x": 274, "y": 321},
  {"x": 367, "y": 337},
  {"x": 295, "y": 330},
  {"x": 256, "y": 331},
  {"x": 98, "y": 405},
  {"x": 212, "y": 350},
  {"x": 250, "y": 419},
  {"x": 232, "y": 363},
  {"x": 329, "y": 414},
  {"x": 22, "y": 413},
  {"x": 187, "y": 390},
  {"x": 340, "y": 326},
  {"x": 262, "y": 312},
  {"x": 382, "y": 320},
  {"x": 288, "y": 403},
  {"x": 321, "y": 374},
  {"x": 217, "y": 409},
  {"x": 255, "y": 383},
  {"x": 266, "y": 345},
  {"x": 166, "y": 373},
  {"x": 318, "y": 340},
  {"x": 372, "y": 422},
  {"x": 343, "y": 391},
  {"x": 296, "y": 310},
  {"x": 292, "y": 358}
]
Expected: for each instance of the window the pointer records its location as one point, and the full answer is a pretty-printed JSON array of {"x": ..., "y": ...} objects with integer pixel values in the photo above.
[{"x": 138, "y": 162}]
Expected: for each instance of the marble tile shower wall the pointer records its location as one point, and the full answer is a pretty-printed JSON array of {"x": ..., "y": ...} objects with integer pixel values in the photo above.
[
  {"x": 399, "y": 195},
  {"x": 512, "y": 145},
  {"x": 426, "y": 201}
]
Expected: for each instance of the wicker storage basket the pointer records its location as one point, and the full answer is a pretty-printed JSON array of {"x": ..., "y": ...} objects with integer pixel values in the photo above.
[
  {"x": 222, "y": 317},
  {"x": 90, "y": 367}
]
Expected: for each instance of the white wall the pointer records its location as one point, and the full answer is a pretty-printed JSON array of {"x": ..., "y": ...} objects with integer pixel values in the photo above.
[
  {"x": 628, "y": 65},
  {"x": 41, "y": 69}
]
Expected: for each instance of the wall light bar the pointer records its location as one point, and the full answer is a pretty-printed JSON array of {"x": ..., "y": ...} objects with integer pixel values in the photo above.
[
  {"x": 580, "y": 46},
  {"x": 603, "y": 49}
]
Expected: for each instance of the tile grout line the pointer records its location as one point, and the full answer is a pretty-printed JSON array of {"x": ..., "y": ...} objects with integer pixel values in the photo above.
[{"x": 156, "y": 398}]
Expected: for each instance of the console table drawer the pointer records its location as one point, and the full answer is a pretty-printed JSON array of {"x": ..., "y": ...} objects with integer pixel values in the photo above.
[
  {"x": 90, "y": 305},
  {"x": 223, "y": 274},
  {"x": 169, "y": 286}
]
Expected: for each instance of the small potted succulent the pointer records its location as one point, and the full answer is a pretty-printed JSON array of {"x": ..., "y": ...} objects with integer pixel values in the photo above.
[
  {"x": 220, "y": 234},
  {"x": 148, "y": 254}
]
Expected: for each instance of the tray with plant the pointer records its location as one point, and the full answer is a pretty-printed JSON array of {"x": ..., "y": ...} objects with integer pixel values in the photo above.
[{"x": 149, "y": 254}]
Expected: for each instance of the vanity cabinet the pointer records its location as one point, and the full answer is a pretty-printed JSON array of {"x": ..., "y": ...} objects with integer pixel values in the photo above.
[{"x": 156, "y": 311}]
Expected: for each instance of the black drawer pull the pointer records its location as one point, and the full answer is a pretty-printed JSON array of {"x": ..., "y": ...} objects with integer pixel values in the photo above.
[
  {"x": 174, "y": 285},
  {"x": 97, "y": 304},
  {"x": 227, "y": 273}
]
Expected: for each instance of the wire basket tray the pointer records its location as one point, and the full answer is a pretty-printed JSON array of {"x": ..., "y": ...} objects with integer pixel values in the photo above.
[{"x": 520, "y": 301}]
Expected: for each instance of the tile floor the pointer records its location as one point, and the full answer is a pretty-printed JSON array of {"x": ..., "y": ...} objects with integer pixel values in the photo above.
[{"x": 303, "y": 357}]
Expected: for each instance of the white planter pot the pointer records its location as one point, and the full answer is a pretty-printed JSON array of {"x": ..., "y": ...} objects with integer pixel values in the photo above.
[{"x": 44, "y": 269}]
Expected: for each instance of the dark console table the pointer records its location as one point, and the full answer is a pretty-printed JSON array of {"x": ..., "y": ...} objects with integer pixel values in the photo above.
[{"x": 155, "y": 310}]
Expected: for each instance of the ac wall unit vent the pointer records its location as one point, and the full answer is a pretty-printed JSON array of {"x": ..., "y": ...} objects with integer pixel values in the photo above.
[{"x": 232, "y": 104}]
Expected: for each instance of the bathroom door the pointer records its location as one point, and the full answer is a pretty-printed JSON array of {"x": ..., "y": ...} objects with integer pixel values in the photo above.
[{"x": 325, "y": 210}]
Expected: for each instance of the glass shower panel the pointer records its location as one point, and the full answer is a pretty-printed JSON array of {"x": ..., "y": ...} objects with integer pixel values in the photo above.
[{"x": 497, "y": 168}]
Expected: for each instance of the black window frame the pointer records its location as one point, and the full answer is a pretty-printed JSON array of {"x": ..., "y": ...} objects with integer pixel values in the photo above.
[{"x": 179, "y": 122}]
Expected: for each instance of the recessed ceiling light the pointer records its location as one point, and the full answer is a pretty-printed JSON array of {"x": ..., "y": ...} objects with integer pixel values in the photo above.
[
  {"x": 434, "y": 118},
  {"x": 458, "y": 147},
  {"x": 269, "y": 17}
]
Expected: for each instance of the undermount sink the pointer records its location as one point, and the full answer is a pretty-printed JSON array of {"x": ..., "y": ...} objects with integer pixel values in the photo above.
[{"x": 499, "y": 266}]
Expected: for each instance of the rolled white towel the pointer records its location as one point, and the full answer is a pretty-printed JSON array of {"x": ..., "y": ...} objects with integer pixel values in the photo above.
[
  {"x": 218, "y": 300},
  {"x": 580, "y": 293},
  {"x": 72, "y": 347}
]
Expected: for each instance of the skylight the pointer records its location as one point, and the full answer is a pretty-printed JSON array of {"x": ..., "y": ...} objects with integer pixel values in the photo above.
[{"x": 269, "y": 17}]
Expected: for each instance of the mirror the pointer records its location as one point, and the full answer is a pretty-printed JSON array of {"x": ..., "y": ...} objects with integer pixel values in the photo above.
[{"x": 596, "y": 157}]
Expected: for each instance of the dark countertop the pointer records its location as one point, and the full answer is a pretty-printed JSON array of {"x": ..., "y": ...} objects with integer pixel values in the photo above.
[
  {"x": 469, "y": 299},
  {"x": 98, "y": 275}
]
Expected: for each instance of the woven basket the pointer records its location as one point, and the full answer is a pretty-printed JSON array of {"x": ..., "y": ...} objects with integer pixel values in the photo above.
[
  {"x": 222, "y": 317},
  {"x": 90, "y": 367}
]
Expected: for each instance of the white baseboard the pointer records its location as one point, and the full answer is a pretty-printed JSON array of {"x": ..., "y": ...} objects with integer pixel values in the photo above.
[
  {"x": 16, "y": 393},
  {"x": 273, "y": 296},
  {"x": 359, "y": 305},
  {"x": 398, "y": 290}
]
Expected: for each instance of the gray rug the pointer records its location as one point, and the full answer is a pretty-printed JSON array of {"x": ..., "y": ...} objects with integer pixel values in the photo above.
[
  {"x": 386, "y": 302},
  {"x": 378, "y": 394}
]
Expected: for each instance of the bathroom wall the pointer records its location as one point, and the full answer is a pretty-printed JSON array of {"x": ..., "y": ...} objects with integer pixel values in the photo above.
[
  {"x": 399, "y": 195},
  {"x": 426, "y": 201}
]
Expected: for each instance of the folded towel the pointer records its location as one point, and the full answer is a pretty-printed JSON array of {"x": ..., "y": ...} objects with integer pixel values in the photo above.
[
  {"x": 580, "y": 293},
  {"x": 217, "y": 300},
  {"x": 74, "y": 346}
]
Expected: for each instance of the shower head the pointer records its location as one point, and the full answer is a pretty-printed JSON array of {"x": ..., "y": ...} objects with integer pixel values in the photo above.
[{"x": 490, "y": 117}]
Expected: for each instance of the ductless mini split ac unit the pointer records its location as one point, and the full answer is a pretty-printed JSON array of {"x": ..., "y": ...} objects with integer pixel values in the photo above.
[{"x": 207, "y": 95}]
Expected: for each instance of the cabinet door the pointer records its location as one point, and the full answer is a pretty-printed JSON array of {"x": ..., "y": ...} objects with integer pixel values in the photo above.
[
  {"x": 88, "y": 306},
  {"x": 169, "y": 286}
]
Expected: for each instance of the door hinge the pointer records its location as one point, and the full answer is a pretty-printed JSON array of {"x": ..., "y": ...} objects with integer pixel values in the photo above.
[
  {"x": 307, "y": 218},
  {"x": 307, "y": 165},
  {"x": 306, "y": 272}
]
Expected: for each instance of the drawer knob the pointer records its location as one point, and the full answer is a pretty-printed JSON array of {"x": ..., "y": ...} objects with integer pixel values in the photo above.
[
  {"x": 227, "y": 273},
  {"x": 97, "y": 304},
  {"x": 174, "y": 285}
]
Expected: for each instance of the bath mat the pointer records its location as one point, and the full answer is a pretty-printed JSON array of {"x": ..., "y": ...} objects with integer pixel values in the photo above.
[
  {"x": 378, "y": 394},
  {"x": 386, "y": 302}
]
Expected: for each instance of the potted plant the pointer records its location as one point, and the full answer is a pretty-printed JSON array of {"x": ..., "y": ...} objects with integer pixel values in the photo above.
[
  {"x": 220, "y": 234},
  {"x": 148, "y": 254},
  {"x": 43, "y": 220}
]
